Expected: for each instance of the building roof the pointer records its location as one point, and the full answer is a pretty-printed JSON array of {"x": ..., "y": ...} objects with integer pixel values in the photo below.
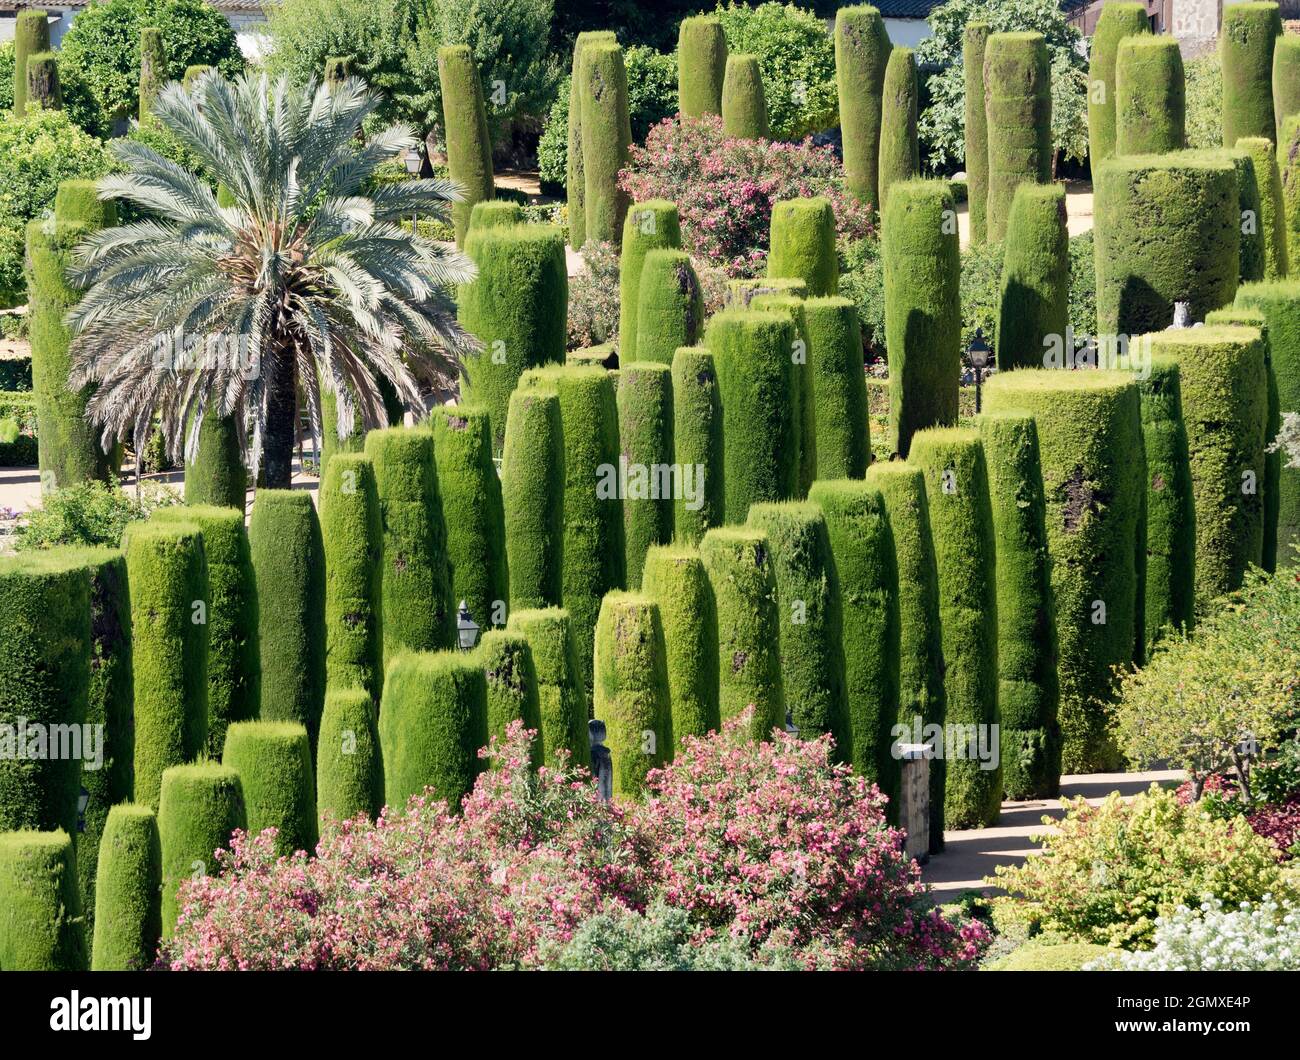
[{"x": 224, "y": 6}]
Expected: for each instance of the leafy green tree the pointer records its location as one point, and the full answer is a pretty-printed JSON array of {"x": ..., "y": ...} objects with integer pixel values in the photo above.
[
  {"x": 37, "y": 153},
  {"x": 1204, "y": 76},
  {"x": 942, "y": 123}
]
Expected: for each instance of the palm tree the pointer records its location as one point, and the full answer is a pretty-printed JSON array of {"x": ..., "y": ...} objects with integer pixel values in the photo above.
[{"x": 304, "y": 280}]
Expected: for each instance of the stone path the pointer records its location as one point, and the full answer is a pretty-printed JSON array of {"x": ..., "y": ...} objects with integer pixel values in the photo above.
[{"x": 1078, "y": 209}]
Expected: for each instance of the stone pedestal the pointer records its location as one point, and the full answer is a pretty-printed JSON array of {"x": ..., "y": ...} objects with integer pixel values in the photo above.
[{"x": 914, "y": 799}]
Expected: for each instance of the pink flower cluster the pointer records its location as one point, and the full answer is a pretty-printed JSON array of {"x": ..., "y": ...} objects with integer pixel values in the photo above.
[
  {"x": 767, "y": 842},
  {"x": 725, "y": 186}
]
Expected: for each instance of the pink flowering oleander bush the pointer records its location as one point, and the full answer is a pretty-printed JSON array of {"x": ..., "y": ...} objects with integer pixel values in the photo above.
[{"x": 725, "y": 186}]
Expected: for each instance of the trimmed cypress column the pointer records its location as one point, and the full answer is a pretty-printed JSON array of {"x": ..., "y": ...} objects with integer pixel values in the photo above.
[
  {"x": 974, "y": 40},
  {"x": 1035, "y": 294},
  {"x": 464, "y": 122},
  {"x": 670, "y": 309},
  {"x": 645, "y": 419},
  {"x": 701, "y": 65},
  {"x": 861, "y": 54},
  {"x": 744, "y": 107},
  {"x": 697, "y": 438},
  {"x": 575, "y": 182},
  {"x": 1117, "y": 21},
  {"x": 561, "y": 689},
  {"x": 1246, "y": 42},
  {"x": 900, "y": 151},
  {"x": 606, "y": 136},
  {"x": 649, "y": 226},
  {"x": 1150, "y": 96},
  {"x": 532, "y": 489},
  {"x": 1018, "y": 106}
]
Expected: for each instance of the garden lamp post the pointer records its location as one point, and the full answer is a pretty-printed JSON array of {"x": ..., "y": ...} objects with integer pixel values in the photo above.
[
  {"x": 412, "y": 162},
  {"x": 979, "y": 359},
  {"x": 466, "y": 628}
]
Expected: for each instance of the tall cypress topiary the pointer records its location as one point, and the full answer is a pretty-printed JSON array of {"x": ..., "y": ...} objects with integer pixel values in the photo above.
[
  {"x": 922, "y": 267},
  {"x": 1018, "y": 109},
  {"x": 606, "y": 137},
  {"x": 352, "y": 536},
  {"x": 648, "y": 226},
  {"x": 532, "y": 489},
  {"x": 738, "y": 561},
  {"x": 41, "y": 929},
  {"x": 701, "y": 65},
  {"x": 200, "y": 805},
  {"x": 475, "y": 515},
  {"x": 1150, "y": 96},
  {"x": 561, "y": 691},
  {"x": 1089, "y": 434},
  {"x": 1028, "y": 690},
  {"x": 517, "y": 308},
  {"x": 1225, "y": 407},
  {"x": 839, "y": 388},
  {"x": 419, "y": 613},
  {"x": 861, "y": 54},
  {"x": 744, "y": 106},
  {"x": 43, "y": 81},
  {"x": 31, "y": 37},
  {"x": 645, "y": 425},
  {"x": 1286, "y": 80},
  {"x": 234, "y": 650},
  {"x": 961, "y": 521},
  {"x": 1246, "y": 42},
  {"x": 1034, "y": 300},
  {"x": 289, "y": 564},
  {"x": 1117, "y": 21},
  {"x": 974, "y": 40},
  {"x": 697, "y": 440},
  {"x": 920, "y": 657},
  {"x": 1288, "y": 161},
  {"x": 752, "y": 355},
  {"x": 512, "y": 692},
  {"x": 1250, "y": 211},
  {"x": 1271, "y": 222},
  {"x": 464, "y": 123},
  {"x": 1167, "y": 230},
  {"x": 167, "y": 571},
  {"x": 801, "y": 370},
  {"x": 217, "y": 475},
  {"x": 432, "y": 722},
  {"x": 676, "y": 580},
  {"x": 670, "y": 307},
  {"x": 811, "y": 621},
  {"x": 803, "y": 244},
  {"x": 153, "y": 70},
  {"x": 349, "y": 769},
  {"x": 575, "y": 182},
  {"x": 274, "y": 763},
  {"x": 900, "y": 151},
  {"x": 128, "y": 891}
]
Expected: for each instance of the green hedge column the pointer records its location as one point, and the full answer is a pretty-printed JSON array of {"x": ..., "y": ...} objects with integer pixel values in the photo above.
[
  {"x": 861, "y": 55},
  {"x": 1286, "y": 80},
  {"x": 670, "y": 308},
  {"x": 168, "y": 575},
  {"x": 976, "y": 128},
  {"x": 922, "y": 309},
  {"x": 31, "y": 37},
  {"x": 631, "y": 689},
  {"x": 517, "y": 308},
  {"x": 475, "y": 515},
  {"x": 1117, "y": 21},
  {"x": 41, "y": 929},
  {"x": 575, "y": 182},
  {"x": 1279, "y": 305},
  {"x": 801, "y": 371},
  {"x": 289, "y": 562},
  {"x": 648, "y": 226},
  {"x": 920, "y": 657},
  {"x": 1167, "y": 230},
  {"x": 606, "y": 137},
  {"x": 419, "y": 613},
  {"x": 128, "y": 891},
  {"x": 740, "y": 293},
  {"x": 153, "y": 70},
  {"x": 743, "y": 579},
  {"x": 45, "y": 652},
  {"x": 839, "y": 388},
  {"x": 1150, "y": 96},
  {"x": 697, "y": 437},
  {"x": 352, "y": 535},
  {"x": 862, "y": 544},
  {"x": 349, "y": 770},
  {"x": 744, "y": 107},
  {"x": 1018, "y": 108},
  {"x": 1250, "y": 210},
  {"x": 594, "y": 552},
  {"x": 900, "y": 151},
  {"x": 1171, "y": 513},
  {"x": 1288, "y": 161},
  {"x": 217, "y": 475},
  {"x": 1271, "y": 222},
  {"x": 495, "y": 213},
  {"x": 234, "y": 654},
  {"x": 1035, "y": 293},
  {"x": 532, "y": 490},
  {"x": 701, "y": 65},
  {"x": 1225, "y": 407},
  {"x": 1028, "y": 690},
  {"x": 752, "y": 354},
  {"x": 431, "y": 725},
  {"x": 808, "y": 603},
  {"x": 803, "y": 244},
  {"x": 1089, "y": 434},
  {"x": 43, "y": 81},
  {"x": 961, "y": 520},
  {"x": 1246, "y": 51},
  {"x": 200, "y": 806},
  {"x": 676, "y": 580},
  {"x": 274, "y": 763},
  {"x": 464, "y": 122},
  {"x": 561, "y": 691},
  {"x": 512, "y": 692},
  {"x": 645, "y": 423}
]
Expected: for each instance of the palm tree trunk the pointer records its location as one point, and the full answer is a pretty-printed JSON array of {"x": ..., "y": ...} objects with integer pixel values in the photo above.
[{"x": 281, "y": 423}]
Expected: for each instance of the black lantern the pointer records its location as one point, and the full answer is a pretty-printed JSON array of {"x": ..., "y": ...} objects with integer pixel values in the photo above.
[
  {"x": 979, "y": 359},
  {"x": 466, "y": 628}
]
